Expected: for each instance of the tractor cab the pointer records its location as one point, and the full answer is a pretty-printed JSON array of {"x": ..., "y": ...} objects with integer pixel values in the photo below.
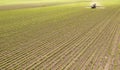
[{"x": 93, "y": 6}]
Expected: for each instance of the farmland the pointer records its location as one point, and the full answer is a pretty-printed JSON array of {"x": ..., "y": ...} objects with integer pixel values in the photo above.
[{"x": 65, "y": 36}]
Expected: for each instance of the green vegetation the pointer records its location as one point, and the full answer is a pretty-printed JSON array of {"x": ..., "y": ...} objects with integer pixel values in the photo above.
[
  {"x": 13, "y": 22},
  {"x": 111, "y": 2},
  {"x": 67, "y": 35},
  {"x": 10, "y": 2}
]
